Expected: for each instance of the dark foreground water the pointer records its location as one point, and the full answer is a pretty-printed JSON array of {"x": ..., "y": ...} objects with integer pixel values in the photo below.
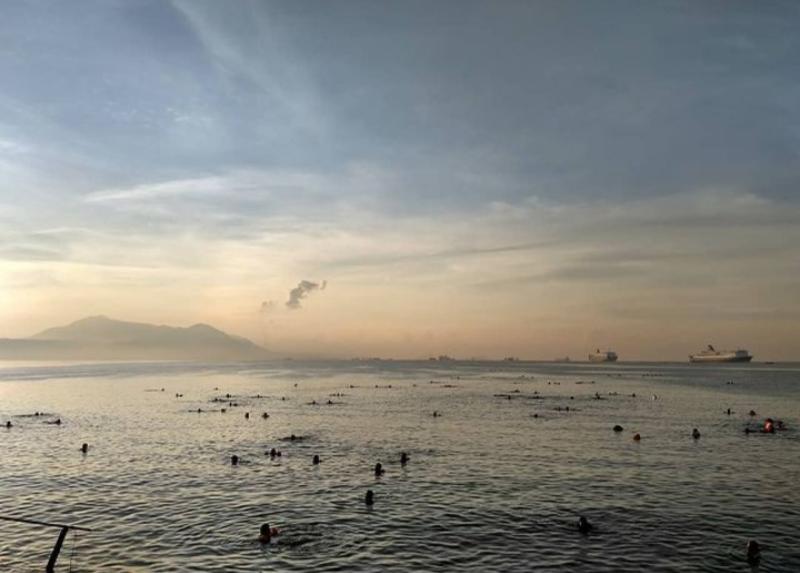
[{"x": 489, "y": 486}]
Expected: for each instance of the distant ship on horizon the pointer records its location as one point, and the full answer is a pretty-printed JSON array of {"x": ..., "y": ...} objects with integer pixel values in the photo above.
[
  {"x": 712, "y": 355},
  {"x": 605, "y": 356}
]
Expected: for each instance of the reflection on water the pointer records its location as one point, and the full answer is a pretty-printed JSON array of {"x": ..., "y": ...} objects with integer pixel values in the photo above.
[{"x": 495, "y": 483}]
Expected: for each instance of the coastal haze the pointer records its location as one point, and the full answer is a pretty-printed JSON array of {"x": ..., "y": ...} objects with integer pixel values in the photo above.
[{"x": 533, "y": 179}]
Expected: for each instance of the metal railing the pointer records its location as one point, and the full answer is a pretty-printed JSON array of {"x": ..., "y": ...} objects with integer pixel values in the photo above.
[{"x": 62, "y": 535}]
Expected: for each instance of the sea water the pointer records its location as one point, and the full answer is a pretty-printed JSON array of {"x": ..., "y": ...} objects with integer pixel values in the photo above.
[{"x": 496, "y": 482}]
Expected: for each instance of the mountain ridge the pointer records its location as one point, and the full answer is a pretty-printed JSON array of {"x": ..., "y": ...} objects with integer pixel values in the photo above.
[{"x": 102, "y": 338}]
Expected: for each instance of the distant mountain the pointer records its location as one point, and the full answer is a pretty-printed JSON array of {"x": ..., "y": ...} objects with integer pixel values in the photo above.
[{"x": 103, "y": 338}]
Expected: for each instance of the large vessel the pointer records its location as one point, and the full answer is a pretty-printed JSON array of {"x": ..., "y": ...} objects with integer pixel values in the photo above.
[
  {"x": 605, "y": 356},
  {"x": 713, "y": 355}
]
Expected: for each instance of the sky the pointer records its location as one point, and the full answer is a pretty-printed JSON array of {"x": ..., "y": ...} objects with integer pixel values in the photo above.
[{"x": 407, "y": 178}]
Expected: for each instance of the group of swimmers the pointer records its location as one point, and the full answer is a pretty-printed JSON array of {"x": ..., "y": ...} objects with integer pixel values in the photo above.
[{"x": 267, "y": 533}]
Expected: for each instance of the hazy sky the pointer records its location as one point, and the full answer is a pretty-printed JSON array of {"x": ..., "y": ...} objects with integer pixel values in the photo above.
[{"x": 479, "y": 179}]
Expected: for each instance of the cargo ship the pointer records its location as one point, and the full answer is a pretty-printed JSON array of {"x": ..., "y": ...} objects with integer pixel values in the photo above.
[
  {"x": 605, "y": 356},
  {"x": 713, "y": 355}
]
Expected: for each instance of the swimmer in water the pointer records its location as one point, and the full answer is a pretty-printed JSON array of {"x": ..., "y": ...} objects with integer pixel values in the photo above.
[
  {"x": 315, "y": 460},
  {"x": 267, "y": 533},
  {"x": 753, "y": 552},
  {"x": 403, "y": 458},
  {"x": 234, "y": 460},
  {"x": 369, "y": 499},
  {"x": 9, "y": 424},
  {"x": 379, "y": 471},
  {"x": 265, "y": 415},
  {"x": 769, "y": 426},
  {"x": 696, "y": 434},
  {"x": 247, "y": 415},
  {"x": 583, "y": 525},
  {"x": 435, "y": 414},
  {"x": 84, "y": 448},
  {"x": 273, "y": 452},
  {"x": 637, "y": 438}
]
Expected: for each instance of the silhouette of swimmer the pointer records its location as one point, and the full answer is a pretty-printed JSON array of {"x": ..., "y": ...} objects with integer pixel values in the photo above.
[
  {"x": 273, "y": 453},
  {"x": 265, "y": 415},
  {"x": 267, "y": 533},
  {"x": 728, "y": 412},
  {"x": 9, "y": 424},
  {"x": 583, "y": 525},
  {"x": 369, "y": 499},
  {"x": 403, "y": 458},
  {"x": 752, "y": 412},
  {"x": 435, "y": 414},
  {"x": 636, "y": 437},
  {"x": 315, "y": 460},
  {"x": 753, "y": 552},
  {"x": 234, "y": 460},
  {"x": 247, "y": 415},
  {"x": 84, "y": 448},
  {"x": 769, "y": 426},
  {"x": 696, "y": 433},
  {"x": 747, "y": 430},
  {"x": 379, "y": 471},
  {"x": 618, "y": 428}
]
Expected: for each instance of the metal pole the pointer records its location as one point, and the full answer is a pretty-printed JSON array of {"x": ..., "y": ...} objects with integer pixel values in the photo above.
[
  {"x": 44, "y": 523},
  {"x": 51, "y": 564}
]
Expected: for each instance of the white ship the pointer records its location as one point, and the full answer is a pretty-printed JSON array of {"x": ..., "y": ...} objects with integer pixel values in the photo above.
[
  {"x": 712, "y": 355},
  {"x": 606, "y": 356}
]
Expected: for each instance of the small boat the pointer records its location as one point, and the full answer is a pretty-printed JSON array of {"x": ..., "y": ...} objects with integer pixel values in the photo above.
[
  {"x": 711, "y": 354},
  {"x": 605, "y": 356}
]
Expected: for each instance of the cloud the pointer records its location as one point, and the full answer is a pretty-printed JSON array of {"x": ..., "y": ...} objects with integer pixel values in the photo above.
[{"x": 301, "y": 291}]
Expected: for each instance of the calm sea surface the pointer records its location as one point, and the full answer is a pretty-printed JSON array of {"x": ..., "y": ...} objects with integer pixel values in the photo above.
[{"x": 490, "y": 487}]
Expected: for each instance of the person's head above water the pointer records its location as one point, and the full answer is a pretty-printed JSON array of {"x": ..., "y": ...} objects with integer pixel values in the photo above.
[
  {"x": 84, "y": 448},
  {"x": 753, "y": 551},
  {"x": 234, "y": 460},
  {"x": 403, "y": 458},
  {"x": 369, "y": 499},
  {"x": 583, "y": 525},
  {"x": 315, "y": 460},
  {"x": 266, "y": 533},
  {"x": 379, "y": 469},
  {"x": 695, "y": 433}
]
